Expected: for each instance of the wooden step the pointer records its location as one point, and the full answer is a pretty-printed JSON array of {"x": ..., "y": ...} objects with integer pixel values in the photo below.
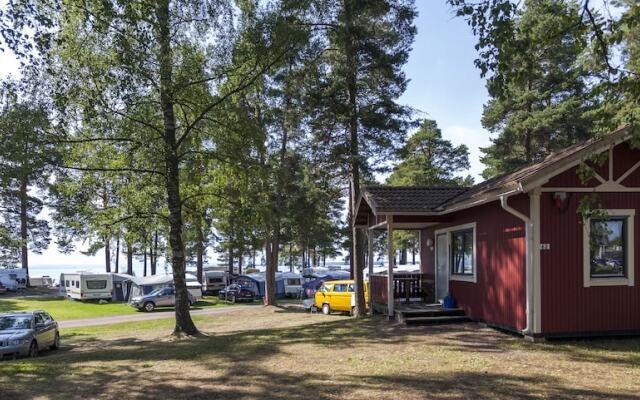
[
  {"x": 452, "y": 319},
  {"x": 436, "y": 312}
]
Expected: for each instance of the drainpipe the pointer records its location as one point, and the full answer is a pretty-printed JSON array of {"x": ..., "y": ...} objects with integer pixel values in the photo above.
[{"x": 528, "y": 254}]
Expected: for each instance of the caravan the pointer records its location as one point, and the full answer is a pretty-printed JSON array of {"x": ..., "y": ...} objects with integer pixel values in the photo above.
[
  {"x": 292, "y": 284},
  {"x": 214, "y": 281},
  {"x": 84, "y": 285},
  {"x": 13, "y": 278}
]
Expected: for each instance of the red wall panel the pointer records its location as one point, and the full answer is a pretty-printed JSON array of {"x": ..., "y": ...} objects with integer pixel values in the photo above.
[
  {"x": 498, "y": 296},
  {"x": 567, "y": 306}
]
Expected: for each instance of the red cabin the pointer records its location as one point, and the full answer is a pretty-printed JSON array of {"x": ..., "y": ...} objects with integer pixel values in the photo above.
[{"x": 516, "y": 252}]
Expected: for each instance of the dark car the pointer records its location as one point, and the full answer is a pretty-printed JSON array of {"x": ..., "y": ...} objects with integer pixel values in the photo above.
[
  {"x": 235, "y": 292},
  {"x": 27, "y": 333}
]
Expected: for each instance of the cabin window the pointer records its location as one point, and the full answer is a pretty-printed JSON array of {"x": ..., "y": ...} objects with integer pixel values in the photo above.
[
  {"x": 293, "y": 282},
  {"x": 78, "y": 284},
  {"x": 455, "y": 254},
  {"x": 608, "y": 248},
  {"x": 97, "y": 285},
  {"x": 462, "y": 259},
  {"x": 66, "y": 283}
]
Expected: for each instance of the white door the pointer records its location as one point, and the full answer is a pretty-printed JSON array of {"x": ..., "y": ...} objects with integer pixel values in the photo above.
[{"x": 442, "y": 266}]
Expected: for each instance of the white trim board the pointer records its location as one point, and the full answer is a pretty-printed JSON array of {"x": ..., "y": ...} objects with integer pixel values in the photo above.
[
  {"x": 461, "y": 278},
  {"x": 629, "y": 279}
]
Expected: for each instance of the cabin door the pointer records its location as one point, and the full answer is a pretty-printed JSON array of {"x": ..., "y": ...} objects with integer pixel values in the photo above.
[{"x": 442, "y": 266}]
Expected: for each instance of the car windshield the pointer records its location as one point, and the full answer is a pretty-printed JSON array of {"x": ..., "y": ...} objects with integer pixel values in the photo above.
[{"x": 15, "y": 322}]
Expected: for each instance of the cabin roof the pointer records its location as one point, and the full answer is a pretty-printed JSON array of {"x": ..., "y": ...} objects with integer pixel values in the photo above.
[
  {"x": 443, "y": 199},
  {"x": 409, "y": 199}
]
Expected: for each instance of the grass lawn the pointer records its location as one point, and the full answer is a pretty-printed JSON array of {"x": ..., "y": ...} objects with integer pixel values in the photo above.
[
  {"x": 287, "y": 354},
  {"x": 62, "y": 309}
]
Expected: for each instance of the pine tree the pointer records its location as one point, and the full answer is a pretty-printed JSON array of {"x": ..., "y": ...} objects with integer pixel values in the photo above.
[
  {"x": 27, "y": 158},
  {"x": 540, "y": 100},
  {"x": 356, "y": 119}
]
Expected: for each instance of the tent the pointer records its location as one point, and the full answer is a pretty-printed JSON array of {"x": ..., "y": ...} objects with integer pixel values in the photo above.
[
  {"x": 147, "y": 284},
  {"x": 255, "y": 282},
  {"x": 309, "y": 288},
  {"x": 122, "y": 286}
]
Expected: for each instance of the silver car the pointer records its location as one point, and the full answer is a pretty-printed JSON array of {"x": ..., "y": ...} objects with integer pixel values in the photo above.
[
  {"x": 164, "y": 297},
  {"x": 26, "y": 333}
]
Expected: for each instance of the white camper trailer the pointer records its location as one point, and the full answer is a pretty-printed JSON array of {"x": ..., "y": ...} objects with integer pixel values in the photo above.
[
  {"x": 85, "y": 285},
  {"x": 13, "y": 278},
  {"x": 214, "y": 281},
  {"x": 292, "y": 284}
]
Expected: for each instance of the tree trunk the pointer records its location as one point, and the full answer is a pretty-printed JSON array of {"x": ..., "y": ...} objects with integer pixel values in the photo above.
[
  {"x": 199, "y": 249},
  {"x": 357, "y": 236},
  {"x": 129, "y": 258},
  {"x": 154, "y": 254},
  {"x": 24, "y": 231},
  {"x": 403, "y": 255},
  {"x": 144, "y": 260},
  {"x": 184, "y": 323},
  {"x": 290, "y": 256},
  {"x": 230, "y": 261},
  {"x": 240, "y": 263},
  {"x": 107, "y": 254},
  {"x": 271, "y": 250},
  {"x": 118, "y": 254}
]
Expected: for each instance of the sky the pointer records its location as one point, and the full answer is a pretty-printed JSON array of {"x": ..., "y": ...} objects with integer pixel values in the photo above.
[{"x": 444, "y": 86}]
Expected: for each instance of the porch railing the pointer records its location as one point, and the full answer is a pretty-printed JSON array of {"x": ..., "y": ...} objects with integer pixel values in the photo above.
[{"x": 407, "y": 287}]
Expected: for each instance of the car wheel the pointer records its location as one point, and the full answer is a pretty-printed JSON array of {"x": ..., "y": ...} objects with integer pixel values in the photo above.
[
  {"x": 56, "y": 342},
  {"x": 149, "y": 306},
  {"x": 326, "y": 310},
  {"x": 33, "y": 349}
]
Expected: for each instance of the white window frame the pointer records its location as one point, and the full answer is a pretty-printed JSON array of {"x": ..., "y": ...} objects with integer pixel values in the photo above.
[
  {"x": 447, "y": 231},
  {"x": 590, "y": 281}
]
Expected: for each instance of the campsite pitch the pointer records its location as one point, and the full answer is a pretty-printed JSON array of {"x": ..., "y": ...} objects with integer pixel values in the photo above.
[
  {"x": 63, "y": 309},
  {"x": 284, "y": 353}
]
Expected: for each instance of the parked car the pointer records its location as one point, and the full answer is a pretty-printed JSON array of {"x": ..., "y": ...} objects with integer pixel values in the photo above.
[
  {"x": 235, "y": 292},
  {"x": 27, "y": 333},
  {"x": 163, "y": 297},
  {"x": 338, "y": 296}
]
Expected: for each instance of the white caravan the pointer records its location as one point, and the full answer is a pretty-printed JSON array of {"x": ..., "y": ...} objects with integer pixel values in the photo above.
[
  {"x": 84, "y": 285},
  {"x": 13, "y": 278},
  {"x": 292, "y": 284},
  {"x": 214, "y": 281}
]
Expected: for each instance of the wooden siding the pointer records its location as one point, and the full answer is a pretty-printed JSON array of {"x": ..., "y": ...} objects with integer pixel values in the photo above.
[
  {"x": 624, "y": 157},
  {"x": 499, "y": 296},
  {"x": 567, "y": 306}
]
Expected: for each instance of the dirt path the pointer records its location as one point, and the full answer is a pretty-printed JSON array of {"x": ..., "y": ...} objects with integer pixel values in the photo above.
[{"x": 77, "y": 323}]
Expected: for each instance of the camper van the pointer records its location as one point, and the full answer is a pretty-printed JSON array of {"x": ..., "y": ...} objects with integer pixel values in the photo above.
[
  {"x": 86, "y": 286},
  {"x": 214, "y": 281},
  {"x": 13, "y": 278}
]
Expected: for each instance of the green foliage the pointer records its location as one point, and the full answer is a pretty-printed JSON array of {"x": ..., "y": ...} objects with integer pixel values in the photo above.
[
  {"x": 428, "y": 159},
  {"x": 27, "y": 158},
  {"x": 558, "y": 71}
]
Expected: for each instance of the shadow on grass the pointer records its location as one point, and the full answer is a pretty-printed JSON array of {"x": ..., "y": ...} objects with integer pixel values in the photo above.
[{"x": 243, "y": 365}]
